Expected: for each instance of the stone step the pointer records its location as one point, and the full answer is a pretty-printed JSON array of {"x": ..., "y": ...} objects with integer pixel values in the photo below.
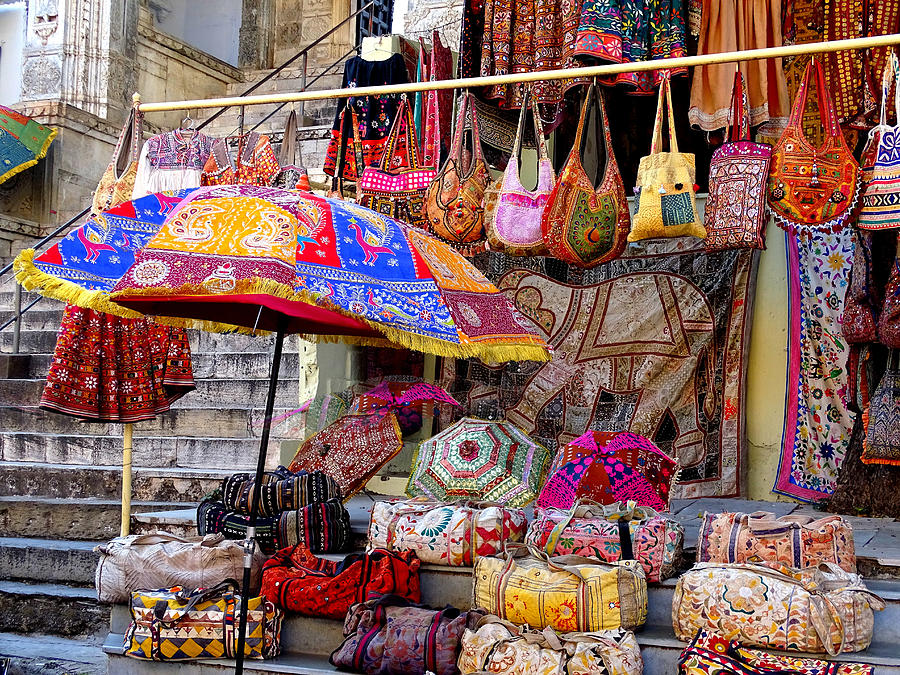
[
  {"x": 215, "y": 393},
  {"x": 66, "y": 518},
  {"x": 7, "y": 300},
  {"x": 52, "y": 655},
  {"x": 190, "y": 453},
  {"x": 48, "y": 560},
  {"x": 183, "y": 422},
  {"x": 52, "y": 609},
  {"x": 65, "y": 481},
  {"x": 42, "y": 316}
]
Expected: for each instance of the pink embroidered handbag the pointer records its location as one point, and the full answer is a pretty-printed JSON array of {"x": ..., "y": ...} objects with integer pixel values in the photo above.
[
  {"x": 736, "y": 207},
  {"x": 516, "y": 223}
]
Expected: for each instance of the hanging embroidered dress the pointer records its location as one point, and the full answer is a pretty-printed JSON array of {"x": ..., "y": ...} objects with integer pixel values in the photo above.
[
  {"x": 630, "y": 31},
  {"x": 110, "y": 369},
  {"x": 731, "y": 25},
  {"x": 254, "y": 164},
  {"x": 375, "y": 113},
  {"x": 171, "y": 161}
]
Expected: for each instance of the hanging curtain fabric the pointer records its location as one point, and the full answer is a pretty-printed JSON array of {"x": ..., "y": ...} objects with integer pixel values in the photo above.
[
  {"x": 438, "y": 106},
  {"x": 419, "y": 107},
  {"x": 731, "y": 25},
  {"x": 469, "y": 62}
]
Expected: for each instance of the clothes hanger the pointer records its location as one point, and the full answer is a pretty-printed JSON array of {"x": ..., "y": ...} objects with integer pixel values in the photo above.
[{"x": 187, "y": 128}]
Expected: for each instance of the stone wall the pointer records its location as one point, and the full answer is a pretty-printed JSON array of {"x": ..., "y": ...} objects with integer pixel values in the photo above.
[{"x": 300, "y": 22}]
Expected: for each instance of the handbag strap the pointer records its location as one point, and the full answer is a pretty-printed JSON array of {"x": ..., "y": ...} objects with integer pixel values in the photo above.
[
  {"x": 288, "y": 154},
  {"x": 739, "y": 119},
  {"x": 404, "y": 117},
  {"x": 348, "y": 116},
  {"x": 466, "y": 102},
  {"x": 192, "y": 599},
  {"x": 529, "y": 100},
  {"x": 656, "y": 143},
  {"x": 827, "y": 113}
]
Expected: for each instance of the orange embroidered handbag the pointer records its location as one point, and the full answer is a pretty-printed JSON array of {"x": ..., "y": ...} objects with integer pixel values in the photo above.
[
  {"x": 454, "y": 204},
  {"x": 813, "y": 188},
  {"x": 582, "y": 224},
  {"x": 348, "y": 119},
  {"x": 117, "y": 182}
]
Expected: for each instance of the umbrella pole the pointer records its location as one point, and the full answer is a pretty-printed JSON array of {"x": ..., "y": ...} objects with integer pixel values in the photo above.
[
  {"x": 125, "y": 528},
  {"x": 250, "y": 545}
]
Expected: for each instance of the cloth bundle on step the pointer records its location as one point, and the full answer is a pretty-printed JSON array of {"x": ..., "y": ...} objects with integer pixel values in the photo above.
[
  {"x": 282, "y": 490},
  {"x": 392, "y": 636},
  {"x": 323, "y": 527}
]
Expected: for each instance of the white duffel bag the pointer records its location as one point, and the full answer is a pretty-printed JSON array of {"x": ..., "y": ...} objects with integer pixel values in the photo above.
[{"x": 161, "y": 560}]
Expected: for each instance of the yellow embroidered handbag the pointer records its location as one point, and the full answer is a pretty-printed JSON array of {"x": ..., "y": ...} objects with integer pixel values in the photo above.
[
  {"x": 664, "y": 201},
  {"x": 117, "y": 182},
  {"x": 567, "y": 593},
  {"x": 813, "y": 188}
]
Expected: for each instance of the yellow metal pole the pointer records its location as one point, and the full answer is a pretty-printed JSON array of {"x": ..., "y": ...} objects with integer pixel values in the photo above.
[
  {"x": 542, "y": 76},
  {"x": 126, "y": 481}
]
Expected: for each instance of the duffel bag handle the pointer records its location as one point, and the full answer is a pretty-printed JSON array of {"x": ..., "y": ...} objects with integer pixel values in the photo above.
[{"x": 193, "y": 598}]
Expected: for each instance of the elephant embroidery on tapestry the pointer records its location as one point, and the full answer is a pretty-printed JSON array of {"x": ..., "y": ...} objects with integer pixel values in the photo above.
[{"x": 653, "y": 342}]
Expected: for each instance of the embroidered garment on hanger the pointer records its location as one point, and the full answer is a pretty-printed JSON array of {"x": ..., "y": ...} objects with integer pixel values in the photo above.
[
  {"x": 256, "y": 163},
  {"x": 171, "y": 161}
]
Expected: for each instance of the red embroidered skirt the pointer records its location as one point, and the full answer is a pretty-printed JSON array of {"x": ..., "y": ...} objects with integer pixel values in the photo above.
[{"x": 110, "y": 369}]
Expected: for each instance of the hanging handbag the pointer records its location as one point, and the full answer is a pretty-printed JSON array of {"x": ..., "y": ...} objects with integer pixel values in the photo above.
[
  {"x": 889, "y": 318},
  {"x": 611, "y": 532},
  {"x": 117, "y": 182},
  {"x": 282, "y": 490},
  {"x": 797, "y": 541},
  {"x": 813, "y": 189},
  {"x": 882, "y": 444},
  {"x": 582, "y": 224},
  {"x": 174, "y": 624},
  {"x": 881, "y": 187},
  {"x": 859, "y": 322},
  {"x": 567, "y": 593},
  {"x": 162, "y": 560},
  {"x": 664, "y": 202},
  {"x": 298, "y": 581},
  {"x": 515, "y": 226},
  {"x": 392, "y": 636},
  {"x": 816, "y": 610},
  {"x": 349, "y": 129},
  {"x": 391, "y": 188},
  {"x": 454, "y": 202},
  {"x": 735, "y": 215},
  {"x": 445, "y": 534},
  {"x": 501, "y": 648},
  {"x": 293, "y": 176},
  {"x": 710, "y": 653}
]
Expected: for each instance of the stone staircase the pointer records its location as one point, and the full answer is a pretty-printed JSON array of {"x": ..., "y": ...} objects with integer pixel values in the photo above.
[
  {"x": 60, "y": 479},
  {"x": 307, "y": 642}
]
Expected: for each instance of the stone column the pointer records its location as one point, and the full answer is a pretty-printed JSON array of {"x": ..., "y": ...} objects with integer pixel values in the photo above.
[{"x": 256, "y": 49}]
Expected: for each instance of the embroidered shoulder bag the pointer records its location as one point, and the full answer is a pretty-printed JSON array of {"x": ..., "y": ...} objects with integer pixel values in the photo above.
[
  {"x": 117, "y": 182},
  {"x": 584, "y": 224},
  {"x": 882, "y": 445},
  {"x": 736, "y": 207},
  {"x": 391, "y": 188},
  {"x": 813, "y": 189},
  {"x": 348, "y": 118},
  {"x": 664, "y": 202},
  {"x": 516, "y": 224},
  {"x": 454, "y": 204},
  {"x": 881, "y": 188},
  {"x": 889, "y": 319}
]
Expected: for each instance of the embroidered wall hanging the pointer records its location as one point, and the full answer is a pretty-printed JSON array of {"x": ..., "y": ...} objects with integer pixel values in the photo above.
[{"x": 653, "y": 342}]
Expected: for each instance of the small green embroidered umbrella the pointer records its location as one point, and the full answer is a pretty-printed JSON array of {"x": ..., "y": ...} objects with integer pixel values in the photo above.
[
  {"x": 479, "y": 459},
  {"x": 22, "y": 142}
]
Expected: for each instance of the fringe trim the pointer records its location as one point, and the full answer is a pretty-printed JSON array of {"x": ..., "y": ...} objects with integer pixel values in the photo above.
[
  {"x": 498, "y": 351},
  {"x": 875, "y": 461},
  {"x": 31, "y": 162}
]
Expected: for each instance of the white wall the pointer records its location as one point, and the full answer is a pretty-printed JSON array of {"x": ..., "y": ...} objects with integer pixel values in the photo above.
[
  {"x": 12, "y": 39},
  {"x": 211, "y": 26}
]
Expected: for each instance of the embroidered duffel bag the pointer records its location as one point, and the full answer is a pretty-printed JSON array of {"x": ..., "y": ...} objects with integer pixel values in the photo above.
[
  {"x": 281, "y": 490},
  {"x": 796, "y": 541},
  {"x": 611, "y": 532},
  {"x": 173, "y": 624},
  {"x": 816, "y": 610},
  {"x": 502, "y": 648},
  {"x": 568, "y": 593},
  {"x": 322, "y": 527},
  {"x": 162, "y": 560},
  {"x": 445, "y": 534},
  {"x": 296, "y": 580},
  {"x": 391, "y": 636}
]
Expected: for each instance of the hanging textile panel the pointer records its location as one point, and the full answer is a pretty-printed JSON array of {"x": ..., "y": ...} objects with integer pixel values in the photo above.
[
  {"x": 817, "y": 423},
  {"x": 653, "y": 342}
]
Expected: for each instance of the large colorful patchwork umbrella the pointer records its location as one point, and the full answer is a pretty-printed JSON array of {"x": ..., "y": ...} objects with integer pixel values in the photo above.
[
  {"x": 479, "y": 459},
  {"x": 22, "y": 142},
  {"x": 351, "y": 450},
  {"x": 628, "y": 467}
]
